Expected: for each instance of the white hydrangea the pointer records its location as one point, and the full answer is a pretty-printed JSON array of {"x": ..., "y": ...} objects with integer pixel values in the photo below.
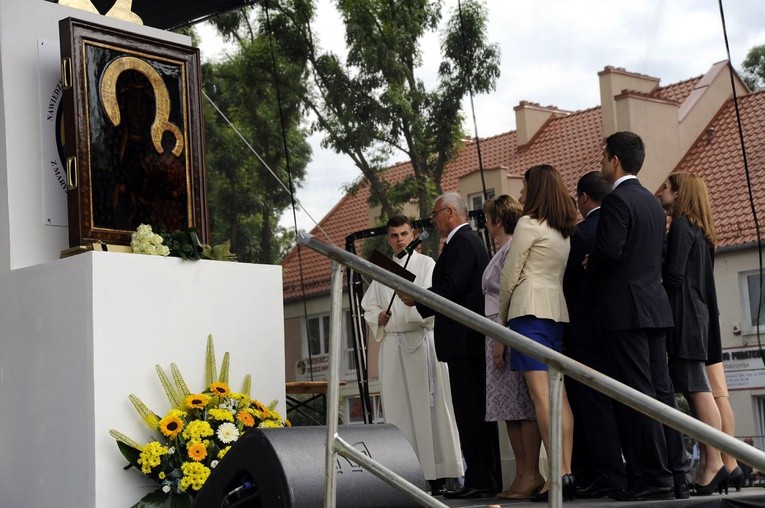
[{"x": 145, "y": 241}]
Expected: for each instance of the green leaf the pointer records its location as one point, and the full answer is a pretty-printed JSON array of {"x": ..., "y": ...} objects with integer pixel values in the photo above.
[
  {"x": 156, "y": 499},
  {"x": 130, "y": 453},
  {"x": 180, "y": 501}
]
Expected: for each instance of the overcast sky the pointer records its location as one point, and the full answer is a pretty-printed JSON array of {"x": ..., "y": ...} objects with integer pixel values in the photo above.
[{"x": 551, "y": 52}]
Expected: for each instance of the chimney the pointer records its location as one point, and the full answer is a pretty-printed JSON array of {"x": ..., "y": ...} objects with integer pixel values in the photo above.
[
  {"x": 615, "y": 80},
  {"x": 530, "y": 117}
]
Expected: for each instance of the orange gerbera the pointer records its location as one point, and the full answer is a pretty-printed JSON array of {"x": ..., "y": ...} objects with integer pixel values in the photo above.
[
  {"x": 197, "y": 451},
  {"x": 219, "y": 388},
  {"x": 246, "y": 418}
]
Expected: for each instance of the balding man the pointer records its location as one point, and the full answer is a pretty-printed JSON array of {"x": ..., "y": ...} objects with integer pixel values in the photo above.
[{"x": 457, "y": 277}]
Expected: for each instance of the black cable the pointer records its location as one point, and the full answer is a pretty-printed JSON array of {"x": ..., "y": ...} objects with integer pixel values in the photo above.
[
  {"x": 748, "y": 180},
  {"x": 466, "y": 65},
  {"x": 291, "y": 183},
  {"x": 359, "y": 335}
]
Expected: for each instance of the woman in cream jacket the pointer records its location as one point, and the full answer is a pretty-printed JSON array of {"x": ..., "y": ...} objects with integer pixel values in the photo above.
[{"x": 531, "y": 299}]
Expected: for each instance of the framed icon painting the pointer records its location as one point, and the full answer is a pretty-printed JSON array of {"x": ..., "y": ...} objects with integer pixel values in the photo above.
[{"x": 133, "y": 106}]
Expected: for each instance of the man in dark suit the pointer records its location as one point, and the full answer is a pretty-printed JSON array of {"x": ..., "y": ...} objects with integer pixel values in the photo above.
[
  {"x": 457, "y": 277},
  {"x": 634, "y": 314},
  {"x": 597, "y": 458}
]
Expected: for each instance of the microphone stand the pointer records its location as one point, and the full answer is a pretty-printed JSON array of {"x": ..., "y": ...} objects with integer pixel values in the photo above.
[{"x": 408, "y": 257}]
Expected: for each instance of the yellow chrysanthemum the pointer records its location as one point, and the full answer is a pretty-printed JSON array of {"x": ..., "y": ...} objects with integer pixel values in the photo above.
[
  {"x": 222, "y": 415},
  {"x": 170, "y": 426},
  {"x": 194, "y": 475},
  {"x": 151, "y": 456},
  {"x": 196, "y": 430},
  {"x": 219, "y": 388},
  {"x": 197, "y": 451},
  {"x": 270, "y": 424},
  {"x": 197, "y": 401},
  {"x": 223, "y": 452},
  {"x": 246, "y": 418}
]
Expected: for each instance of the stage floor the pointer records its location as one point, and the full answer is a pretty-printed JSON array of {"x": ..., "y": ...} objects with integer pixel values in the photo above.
[{"x": 750, "y": 497}]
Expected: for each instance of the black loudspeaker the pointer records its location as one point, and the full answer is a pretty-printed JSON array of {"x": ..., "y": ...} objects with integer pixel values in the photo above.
[{"x": 274, "y": 468}]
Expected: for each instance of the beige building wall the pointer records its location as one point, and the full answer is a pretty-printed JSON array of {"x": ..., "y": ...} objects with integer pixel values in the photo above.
[{"x": 728, "y": 266}]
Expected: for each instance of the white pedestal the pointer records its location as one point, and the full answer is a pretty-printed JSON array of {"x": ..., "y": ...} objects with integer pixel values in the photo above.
[{"x": 79, "y": 335}]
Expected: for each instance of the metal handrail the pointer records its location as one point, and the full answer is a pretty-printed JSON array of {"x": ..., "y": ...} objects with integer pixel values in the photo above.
[{"x": 557, "y": 362}]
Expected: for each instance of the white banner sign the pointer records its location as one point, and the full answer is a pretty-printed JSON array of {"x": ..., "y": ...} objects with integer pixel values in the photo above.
[
  {"x": 319, "y": 365},
  {"x": 744, "y": 369}
]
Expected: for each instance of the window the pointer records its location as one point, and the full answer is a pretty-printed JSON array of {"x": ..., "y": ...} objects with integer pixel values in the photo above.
[
  {"x": 759, "y": 439},
  {"x": 318, "y": 335},
  {"x": 751, "y": 300},
  {"x": 318, "y": 341},
  {"x": 353, "y": 413},
  {"x": 348, "y": 353},
  {"x": 475, "y": 201}
]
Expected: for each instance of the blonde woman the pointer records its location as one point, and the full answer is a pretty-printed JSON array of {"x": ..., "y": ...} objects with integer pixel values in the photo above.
[
  {"x": 507, "y": 396},
  {"x": 688, "y": 277}
]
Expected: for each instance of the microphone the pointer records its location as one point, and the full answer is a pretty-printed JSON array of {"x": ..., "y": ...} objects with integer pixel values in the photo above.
[{"x": 413, "y": 245}]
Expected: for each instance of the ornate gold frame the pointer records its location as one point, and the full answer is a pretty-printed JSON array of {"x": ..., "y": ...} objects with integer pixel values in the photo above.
[{"x": 133, "y": 119}]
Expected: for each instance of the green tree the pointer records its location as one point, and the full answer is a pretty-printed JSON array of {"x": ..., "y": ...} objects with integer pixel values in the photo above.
[
  {"x": 246, "y": 201},
  {"x": 753, "y": 72},
  {"x": 373, "y": 105}
]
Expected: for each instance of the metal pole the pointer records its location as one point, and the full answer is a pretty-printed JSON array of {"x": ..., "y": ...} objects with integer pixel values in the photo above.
[
  {"x": 555, "y": 453},
  {"x": 333, "y": 392},
  {"x": 590, "y": 377}
]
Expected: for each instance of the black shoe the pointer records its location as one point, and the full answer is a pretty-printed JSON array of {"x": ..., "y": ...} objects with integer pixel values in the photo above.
[
  {"x": 438, "y": 491},
  {"x": 568, "y": 490},
  {"x": 469, "y": 493},
  {"x": 437, "y": 487},
  {"x": 643, "y": 494},
  {"x": 595, "y": 491},
  {"x": 720, "y": 480},
  {"x": 736, "y": 479},
  {"x": 681, "y": 491},
  {"x": 568, "y": 486}
]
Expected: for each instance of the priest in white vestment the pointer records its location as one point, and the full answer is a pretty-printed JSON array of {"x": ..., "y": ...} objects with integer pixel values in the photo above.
[{"x": 415, "y": 385}]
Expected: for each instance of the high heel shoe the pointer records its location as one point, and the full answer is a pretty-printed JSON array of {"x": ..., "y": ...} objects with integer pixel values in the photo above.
[
  {"x": 568, "y": 488},
  {"x": 736, "y": 479},
  {"x": 720, "y": 480},
  {"x": 523, "y": 494}
]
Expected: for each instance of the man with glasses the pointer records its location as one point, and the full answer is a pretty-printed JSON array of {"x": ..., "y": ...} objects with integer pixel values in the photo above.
[{"x": 457, "y": 277}]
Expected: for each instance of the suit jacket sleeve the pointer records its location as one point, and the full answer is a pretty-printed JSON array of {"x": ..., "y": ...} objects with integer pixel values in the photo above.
[
  {"x": 612, "y": 230},
  {"x": 679, "y": 243},
  {"x": 456, "y": 275}
]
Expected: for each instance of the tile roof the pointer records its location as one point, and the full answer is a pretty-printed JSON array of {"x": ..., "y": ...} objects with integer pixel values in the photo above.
[
  {"x": 571, "y": 143},
  {"x": 717, "y": 158}
]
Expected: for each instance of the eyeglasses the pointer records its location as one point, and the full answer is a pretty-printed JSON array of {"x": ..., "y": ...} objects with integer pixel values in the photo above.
[{"x": 435, "y": 212}]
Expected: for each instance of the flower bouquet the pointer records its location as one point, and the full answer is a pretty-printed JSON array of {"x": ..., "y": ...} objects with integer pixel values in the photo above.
[{"x": 194, "y": 434}]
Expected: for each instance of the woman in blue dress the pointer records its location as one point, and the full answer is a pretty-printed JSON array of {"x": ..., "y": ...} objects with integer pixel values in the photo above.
[{"x": 531, "y": 299}]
